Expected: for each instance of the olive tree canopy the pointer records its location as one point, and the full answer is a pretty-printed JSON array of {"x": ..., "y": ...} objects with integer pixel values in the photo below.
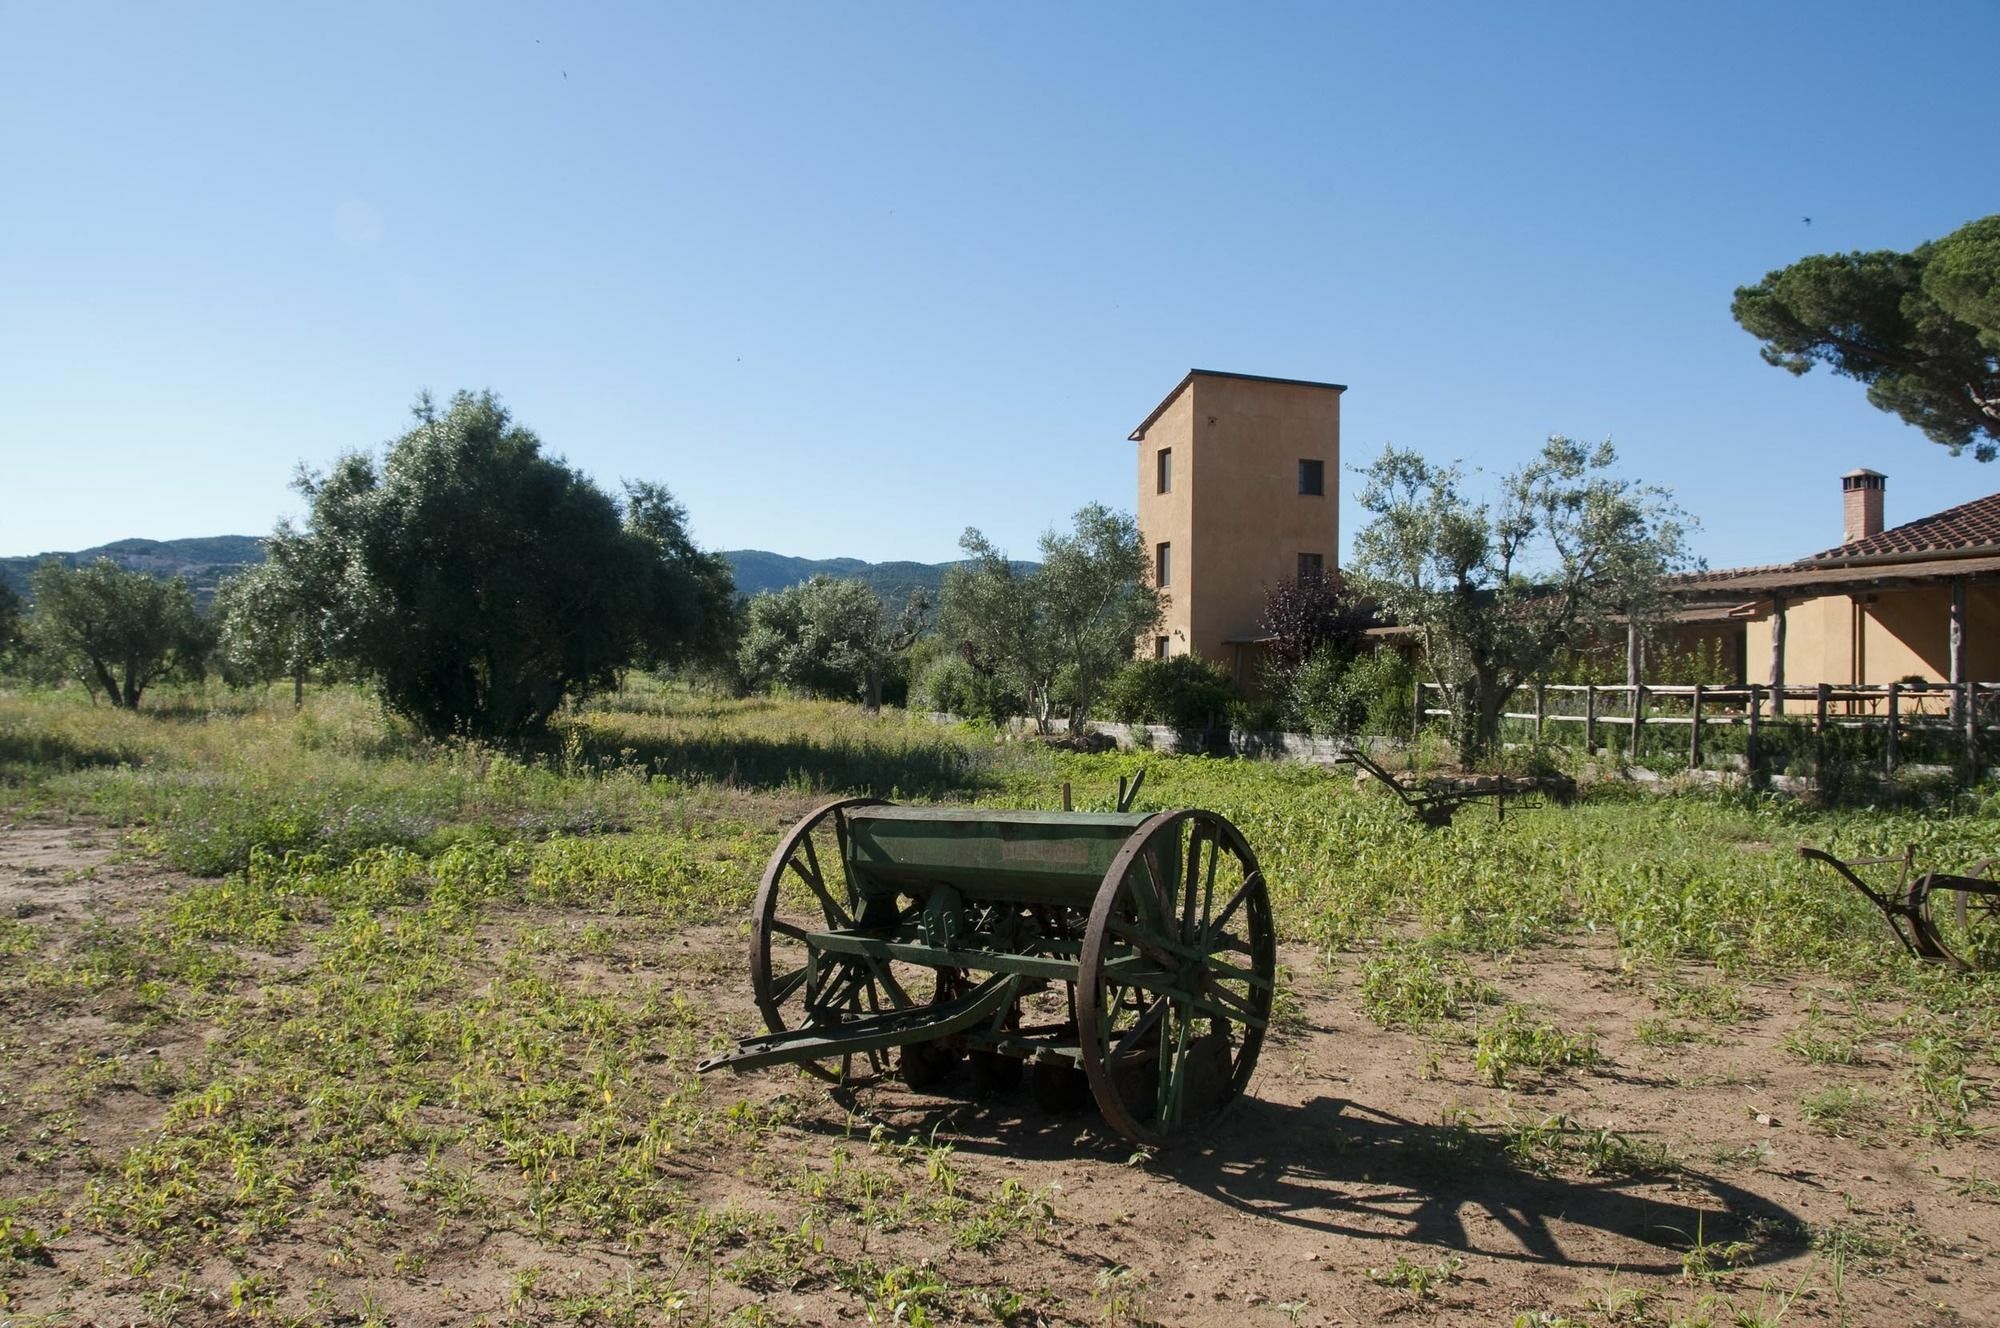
[
  {"x": 1496, "y": 595},
  {"x": 1055, "y": 634},
  {"x": 116, "y": 630},
  {"x": 481, "y": 582}
]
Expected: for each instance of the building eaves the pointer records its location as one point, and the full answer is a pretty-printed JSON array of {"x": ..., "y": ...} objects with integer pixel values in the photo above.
[{"x": 1192, "y": 374}]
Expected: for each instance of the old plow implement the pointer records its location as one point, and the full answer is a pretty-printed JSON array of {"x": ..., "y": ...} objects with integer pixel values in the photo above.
[
  {"x": 1435, "y": 802},
  {"x": 1940, "y": 917},
  {"x": 1128, "y": 955}
]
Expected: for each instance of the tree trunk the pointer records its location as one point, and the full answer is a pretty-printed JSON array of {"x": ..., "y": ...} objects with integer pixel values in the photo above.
[
  {"x": 298, "y": 689},
  {"x": 872, "y": 697}
]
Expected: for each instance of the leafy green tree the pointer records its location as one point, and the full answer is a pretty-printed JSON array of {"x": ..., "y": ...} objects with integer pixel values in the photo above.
[
  {"x": 270, "y": 620},
  {"x": 1921, "y": 329},
  {"x": 118, "y": 632},
  {"x": 826, "y": 637},
  {"x": 10, "y": 618},
  {"x": 482, "y": 583},
  {"x": 1466, "y": 578},
  {"x": 1056, "y": 634}
]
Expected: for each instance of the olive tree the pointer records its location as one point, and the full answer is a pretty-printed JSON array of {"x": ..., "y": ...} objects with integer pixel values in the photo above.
[
  {"x": 482, "y": 583},
  {"x": 1059, "y": 632},
  {"x": 826, "y": 637},
  {"x": 1496, "y": 594},
  {"x": 117, "y": 631}
]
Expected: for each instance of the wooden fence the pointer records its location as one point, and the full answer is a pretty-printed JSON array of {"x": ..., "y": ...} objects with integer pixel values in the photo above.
[{"x": 1961, "y": 715}]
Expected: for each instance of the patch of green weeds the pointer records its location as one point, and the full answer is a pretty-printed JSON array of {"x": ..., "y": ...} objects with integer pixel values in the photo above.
[
  {"x": 1420, "y": 1280},
  {"x": 1516, "y": 1043},
  {"x": 1417, "y": 987}
]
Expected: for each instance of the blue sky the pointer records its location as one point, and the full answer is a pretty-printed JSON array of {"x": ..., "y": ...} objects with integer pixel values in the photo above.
[{"x": 850, "y": 278}]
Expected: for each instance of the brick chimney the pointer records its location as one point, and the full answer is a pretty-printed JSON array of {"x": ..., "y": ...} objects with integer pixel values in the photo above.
[{"x": 1861, "y": 503}]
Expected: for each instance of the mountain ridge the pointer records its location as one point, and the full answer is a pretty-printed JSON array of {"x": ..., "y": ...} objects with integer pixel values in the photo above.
[{"x": 206, "y": 560}]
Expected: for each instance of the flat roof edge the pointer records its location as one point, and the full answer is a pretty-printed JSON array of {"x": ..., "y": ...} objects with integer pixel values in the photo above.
[{"x": 1193, "y": 374}]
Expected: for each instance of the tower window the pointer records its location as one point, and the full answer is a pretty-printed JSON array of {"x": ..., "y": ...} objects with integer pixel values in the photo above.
[
  {"x": 1165, "y": 461},
  {"x": 1163, "y": 564},
  {"x": 1312, "y": 567},
  {"x": 1159, "y": 647},
  {"x": 1312, "y": 477}
]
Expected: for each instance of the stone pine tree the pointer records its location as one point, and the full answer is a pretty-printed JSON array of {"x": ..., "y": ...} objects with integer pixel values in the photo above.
[
  {"x": 1921, "y": 329},
  {"x": 481, "y": 583},
  {"x": 1497, "y": 594}
]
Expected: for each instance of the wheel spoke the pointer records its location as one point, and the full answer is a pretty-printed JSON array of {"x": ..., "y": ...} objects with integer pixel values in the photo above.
[
  {"x": 784, "y": 928},
  {"x": 836, "y": 915},
  {"x": 1250, "y": 882},
  {"x": 1137, "y": 1033},
  {"x": 1190, "y": 873},
  {"x": 1145, "y": 944},
  {"x": 1167, "y": 1104},
  {"x": 785, "y": 987}
]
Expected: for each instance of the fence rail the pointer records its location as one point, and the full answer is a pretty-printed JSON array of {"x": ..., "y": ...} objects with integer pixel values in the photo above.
[{"x": 1964, "y": 714}]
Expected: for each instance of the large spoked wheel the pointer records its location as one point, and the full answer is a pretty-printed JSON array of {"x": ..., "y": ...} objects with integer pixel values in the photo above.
[
  {"x": 1963, "y": 913},
  {"x": 806, "y": 889},
  {"x": 1174, "y": 989}
]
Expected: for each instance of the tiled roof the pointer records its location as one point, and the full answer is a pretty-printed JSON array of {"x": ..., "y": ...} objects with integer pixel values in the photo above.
[{"x": 1973, "y": 525}]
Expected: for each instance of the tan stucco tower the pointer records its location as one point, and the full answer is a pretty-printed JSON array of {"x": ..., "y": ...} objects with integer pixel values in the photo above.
[{"x": 1239, "y": 490}]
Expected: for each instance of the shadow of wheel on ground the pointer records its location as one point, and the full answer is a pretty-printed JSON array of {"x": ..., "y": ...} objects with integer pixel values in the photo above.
[
  {"x": 1347, "y": 1170},
  {"x": 1350, "y": 1171}
]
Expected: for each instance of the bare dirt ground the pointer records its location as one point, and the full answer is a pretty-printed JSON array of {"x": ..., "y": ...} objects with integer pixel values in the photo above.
[{"x": 1371, "y": 1175}]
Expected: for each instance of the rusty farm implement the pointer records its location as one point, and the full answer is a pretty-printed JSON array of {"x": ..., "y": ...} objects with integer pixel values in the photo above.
[
  {"x": 1129, "y": 952},
  {"x": 1947, "y": 918}
]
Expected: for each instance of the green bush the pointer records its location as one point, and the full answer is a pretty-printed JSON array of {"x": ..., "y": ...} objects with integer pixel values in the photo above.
[
  {"x": 949, "y": 684},
  {"x": 1366, "y": 694},
  {"x": 1184, "y": 691}
]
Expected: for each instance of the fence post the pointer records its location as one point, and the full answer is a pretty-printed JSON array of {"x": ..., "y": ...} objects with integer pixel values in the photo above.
[
  {"x": 1590, "y": 719},
  {"x": 1694, "y": 731},
  {"x": 1638, "y": 720},
  {"x": 1417, "y": 713},
  {"x": 1889, "y": 734},
  {"x": 1819, "y": 724},
  {"x": 1750, "y": 736},
  {"x": 1971, "y": 729},
  {"x": 1541, "y": 709}
]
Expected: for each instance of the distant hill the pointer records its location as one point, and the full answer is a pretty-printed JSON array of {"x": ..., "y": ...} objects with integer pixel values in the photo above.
[
  {"x": 757, "y": 571},
  {"x": 205, "y": 562}
]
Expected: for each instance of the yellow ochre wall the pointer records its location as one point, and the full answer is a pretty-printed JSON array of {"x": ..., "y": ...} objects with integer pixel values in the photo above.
[
  {"x": 1235, "y": 517},
  {"x": 1902, "y": 634}
]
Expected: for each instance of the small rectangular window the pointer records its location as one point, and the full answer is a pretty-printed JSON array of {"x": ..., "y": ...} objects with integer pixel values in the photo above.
[
  {"x": 1163, "y": 565},
  {"x": 1312, "y": 477},
  {"x": 1312, "y": 567},
  {"x": 1166, "y": 465},
  {"x": 1159, "y": 647}
]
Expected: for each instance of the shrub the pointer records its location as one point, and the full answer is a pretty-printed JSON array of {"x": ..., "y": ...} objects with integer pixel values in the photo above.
[
  {"x": 949, "y": 684},
  {"x": 1338, "y": 696},
  {"x": 1184, "y": 691}
]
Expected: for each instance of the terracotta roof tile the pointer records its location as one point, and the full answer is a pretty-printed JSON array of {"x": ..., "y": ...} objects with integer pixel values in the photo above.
[{"x": 1970, "y": 525}]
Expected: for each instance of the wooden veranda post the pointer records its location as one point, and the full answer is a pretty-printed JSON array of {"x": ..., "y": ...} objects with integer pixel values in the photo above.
[
  {"x": 1777, "y": 654},
  {"x": 1960, "y": 693},
  {"x": 1889, "y": 732},
  {"x": 1750, "y": 735}
]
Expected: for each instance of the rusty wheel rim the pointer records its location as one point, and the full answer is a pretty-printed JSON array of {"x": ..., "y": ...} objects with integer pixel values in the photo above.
[
  {"x": 779, "y": 956},
  {"x": 1177, "y": 972}
]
